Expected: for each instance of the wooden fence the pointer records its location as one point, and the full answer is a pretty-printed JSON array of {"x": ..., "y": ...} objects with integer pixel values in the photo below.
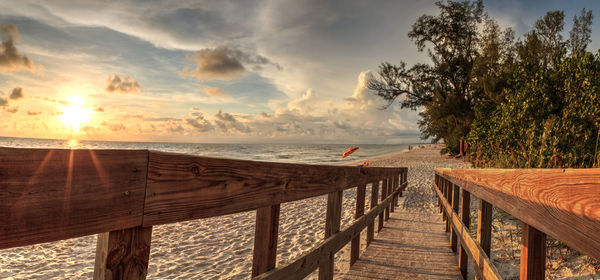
[
  {"x": 563, "y": 203},
  {"x": 55, "y": 194}
]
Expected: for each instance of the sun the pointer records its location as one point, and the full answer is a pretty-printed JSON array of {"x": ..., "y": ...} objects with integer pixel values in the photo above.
[{"x": 75, "y": 115}]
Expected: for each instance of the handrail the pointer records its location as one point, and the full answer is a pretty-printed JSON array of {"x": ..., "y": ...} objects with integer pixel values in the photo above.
[
  {"x": 563, "y": 203},
  {"x": 55, "y": 194}
]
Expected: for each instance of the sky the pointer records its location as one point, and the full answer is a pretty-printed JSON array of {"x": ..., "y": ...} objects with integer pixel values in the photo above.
[{"x": 217, "y": 71}]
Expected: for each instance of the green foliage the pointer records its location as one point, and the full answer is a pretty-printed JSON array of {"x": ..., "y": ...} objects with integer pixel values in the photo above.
[
  {"x": 550, "y": 116},
  {"x": 523, "y": 104}
]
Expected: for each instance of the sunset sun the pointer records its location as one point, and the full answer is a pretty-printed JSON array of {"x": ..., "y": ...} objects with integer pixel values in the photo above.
[{"x": 75, "y": 115}]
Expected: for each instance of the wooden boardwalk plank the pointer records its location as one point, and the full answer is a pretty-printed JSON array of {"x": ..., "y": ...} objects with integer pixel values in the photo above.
[{"x": 410, "y": 246}]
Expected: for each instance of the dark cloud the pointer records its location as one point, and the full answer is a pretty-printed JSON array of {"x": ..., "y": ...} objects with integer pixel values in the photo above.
[
  {"x": 31, "y": 113},
  {"x": 228, "y": 122},
  {"x": 189, "y": 25},
  {"x": 198, "y": 121},
  {"x": 12, "y": 110},
  {"x": 16, "y": 93},
  {"x": 125, "y": 85},
  {"x": 114, "y": 126},
  {"x": 174, "y": 127},
  {"x": 10, "y": 59},
  {"x": 223, "y": 63},
  {"x": 117, "y": 127},
  {"x": 3, "y": 102},
  {"x": 99, "y": 109}
]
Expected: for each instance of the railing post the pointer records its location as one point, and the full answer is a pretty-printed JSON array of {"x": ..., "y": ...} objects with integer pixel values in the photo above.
[
  {"x": 484, "y": 227},
  {"x": 444, "y": 188},
  {"x": 449, "y": 190},
  {"x": 265, "y": 239},
  {"x": 383, "y": 195},
  {"x": 533, "y": 253},
  {"x": 393, "y": 183},
  {"x": 360, "y": 211},
  {"x": 400, "y": 186},
  {"x": 455, "y": 201},
  {"x": 371, "y": 226},
  {"x": 123, "y": 254},
  {"x": 387, "y": 192},
  {"x": 465, "y": 214},
  {"x": 391, "y": 191},
  {"x": 332, "y": 226},
  {"x": 438, "y": 182}
]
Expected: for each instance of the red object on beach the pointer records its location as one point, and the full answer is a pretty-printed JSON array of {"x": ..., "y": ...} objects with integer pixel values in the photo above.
[{"x": 349, "y": 151}]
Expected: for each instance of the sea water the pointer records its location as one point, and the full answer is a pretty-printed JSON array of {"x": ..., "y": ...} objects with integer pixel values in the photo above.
[{"x": 328, "y": 154}]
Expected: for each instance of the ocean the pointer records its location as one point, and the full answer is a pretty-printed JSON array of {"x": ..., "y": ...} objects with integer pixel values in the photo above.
[{"x": 328, "y": 154}]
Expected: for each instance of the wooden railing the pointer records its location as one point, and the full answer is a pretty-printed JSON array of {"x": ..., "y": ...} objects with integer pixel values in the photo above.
[
  {"x": 563, "y": 203},
  {"x": 53, "y": 194}
]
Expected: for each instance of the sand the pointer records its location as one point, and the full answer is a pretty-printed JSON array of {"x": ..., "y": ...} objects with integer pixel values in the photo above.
[{"x": 221, "y": 247}]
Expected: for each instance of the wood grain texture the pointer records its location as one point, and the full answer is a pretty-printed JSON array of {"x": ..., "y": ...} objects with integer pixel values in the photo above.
[
  {"x": 439, "y": 183},
  {"x": 449, "y": 193},
  {"x": 308, "y": 262},
  {"x": 455, "y": 201},
  {"x": 374, "y": 198},
  {"x": 183, "y": 187},
  {"x": 484, "y": 226},
  {"x": 54, "y": 194},
  {"x": 444, "y": 186},
  {"x": 359, "y": 212},
  {"x": 393, "y": 188},
  {"x": 387, "y": 186},
  {"x": 123, "y": 254},
  {"x": 332, "y": 226},
  {"x": 482, "y": 264},
  {"x": 383, "y": 197},
  {"x": 563, "y": 203},
  {"x": 533, "y": 254},
  {"x": 266, "y": 230},
  {"x": 465, "y": 217}
]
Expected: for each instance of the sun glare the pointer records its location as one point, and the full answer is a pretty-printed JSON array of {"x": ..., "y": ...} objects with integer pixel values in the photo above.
[{"x": 75, "y": 115}]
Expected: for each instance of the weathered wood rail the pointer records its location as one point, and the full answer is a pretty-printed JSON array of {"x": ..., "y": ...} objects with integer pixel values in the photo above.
[
  {"x": 55, "y": 194},
  {"x": 563, "y": 203}
]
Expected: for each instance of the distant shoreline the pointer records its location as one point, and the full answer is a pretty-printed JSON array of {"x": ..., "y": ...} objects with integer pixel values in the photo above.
[{"x": 395, "y": 154}]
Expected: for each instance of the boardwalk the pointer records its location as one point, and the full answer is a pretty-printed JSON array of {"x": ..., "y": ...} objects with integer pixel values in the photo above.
[{"x": 410, "y": 246}]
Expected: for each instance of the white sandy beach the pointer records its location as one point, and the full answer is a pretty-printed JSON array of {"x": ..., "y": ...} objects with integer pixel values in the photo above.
[{"x": 221, "y": 247}]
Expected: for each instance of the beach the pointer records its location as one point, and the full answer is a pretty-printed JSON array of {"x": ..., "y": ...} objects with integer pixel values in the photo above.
[{"x": 221, "y": 247}]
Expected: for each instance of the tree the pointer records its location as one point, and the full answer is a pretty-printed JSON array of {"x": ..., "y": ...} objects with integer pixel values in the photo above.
[
  {"x": 549, "y": 115},
  {"x": 581, "y": 32},
  {"x": 443, "y": 88}
]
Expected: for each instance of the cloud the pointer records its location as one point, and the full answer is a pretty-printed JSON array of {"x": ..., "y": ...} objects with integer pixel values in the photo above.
[
  {"x": 126, "y": 85},
  {"x": 228, "y": 122},
  {"x": 3, "y": 102},
  {"x": 174, "y": 127},
  {"x": 215, "y": 92},
  {"x": 16, "y": 93},
  {"x": 198, "y": 122},
  {"x": 223, "y": 63},
  {"x": 87, "y": 128},
  {"x": 117, "y": 127},
  {"x": 310, "y": 118},
  {"x": 12, "y": 110},
  {"x": 114, "y": 126},
  {"x": 99, "y": 109},
  {"x": 306, "y": 104},
  {"x": 10, "y": 59},
  {"x": 31, "y": 113}
]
